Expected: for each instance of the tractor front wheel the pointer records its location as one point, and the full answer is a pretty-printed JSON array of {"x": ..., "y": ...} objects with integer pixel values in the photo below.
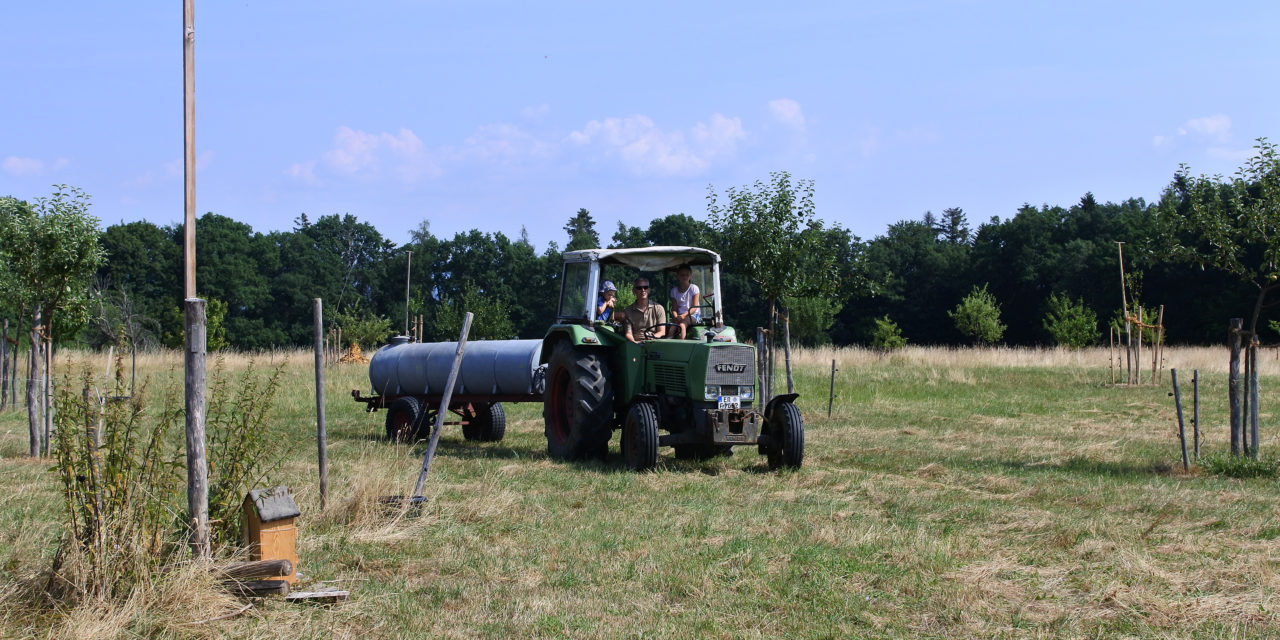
[
  {"x": 640, "y": 437},
  {"x": 578, "y": 403},
  {"x": 786, "y": 428}
]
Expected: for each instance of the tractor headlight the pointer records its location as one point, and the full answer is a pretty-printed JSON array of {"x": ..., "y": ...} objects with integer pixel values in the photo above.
[
  {"x": 746, "y": 392},
  {"x": 712, "y": 392}
]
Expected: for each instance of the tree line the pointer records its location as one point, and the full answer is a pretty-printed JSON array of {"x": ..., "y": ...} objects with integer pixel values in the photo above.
[{"x": 1183, "y": 251}]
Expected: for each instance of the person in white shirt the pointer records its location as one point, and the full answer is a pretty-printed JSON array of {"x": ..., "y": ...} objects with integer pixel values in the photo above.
[{"x": 685, "y": 298}]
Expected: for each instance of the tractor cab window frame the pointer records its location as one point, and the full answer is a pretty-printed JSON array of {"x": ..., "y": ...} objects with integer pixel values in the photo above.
[{"x": 578, "y": 283}]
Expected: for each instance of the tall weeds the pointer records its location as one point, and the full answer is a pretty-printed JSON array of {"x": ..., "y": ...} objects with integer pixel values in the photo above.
[
  {"x": 122, "y": 470},
  {"x": 241, "y": 450},
  {"x": 120, "y": 481}
]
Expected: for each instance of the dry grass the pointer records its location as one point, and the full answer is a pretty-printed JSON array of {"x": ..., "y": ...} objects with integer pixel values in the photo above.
[
  {"x": 952, "y": 493},
  {"x": 1205, "y": 359}
]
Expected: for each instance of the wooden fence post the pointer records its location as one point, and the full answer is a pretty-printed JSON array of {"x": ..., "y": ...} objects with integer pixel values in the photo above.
[
  {"x": 322, "y": 441},
  {"x": 1128, "y": 351},
  {"x": 1182, "y": 429},
  {"x": 4, "y": 367},
  {"x": 444, "y": 403},
  {"x": 1253, "y": 397},
  {"x": 1157, "y": 363},
  {"x": 1111, "y": 352},
  {"x": 831, "y": 398},
  {"x": 1195, "y": 411},
  {"x": 197, "y": 467},
  {"x": 1233, "y": 383},
  {"x": 786, "y": 348},
  {"x": 47, "y": 384},
  {"x": 33, "y": 372}
]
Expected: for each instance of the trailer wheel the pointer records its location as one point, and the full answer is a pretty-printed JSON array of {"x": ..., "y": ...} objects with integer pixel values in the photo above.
[
  {"x": 578, "y": 403},
  {"x": 485, "y": 422},
  {"x": 786, "y": 428},
  {"x": 405, "y": 421},
  {"x": 640, "y": 437}
]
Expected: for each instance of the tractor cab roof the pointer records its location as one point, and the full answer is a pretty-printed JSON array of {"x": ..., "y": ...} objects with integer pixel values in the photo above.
[{"x": 646, "y": 258}]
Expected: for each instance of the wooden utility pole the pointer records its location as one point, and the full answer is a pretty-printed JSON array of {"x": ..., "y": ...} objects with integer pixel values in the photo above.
[
  {"x": 197, "y": 467},
  {"x": 408, "y": 271},
  {"x": 322, "y": 439}
]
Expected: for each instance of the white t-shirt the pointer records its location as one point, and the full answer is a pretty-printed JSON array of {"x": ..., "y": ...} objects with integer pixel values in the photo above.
[{"x": 683, "y": 300}]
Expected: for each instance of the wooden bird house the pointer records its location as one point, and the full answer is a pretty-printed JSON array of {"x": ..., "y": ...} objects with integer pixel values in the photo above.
[{"x": 270, "y": 531}]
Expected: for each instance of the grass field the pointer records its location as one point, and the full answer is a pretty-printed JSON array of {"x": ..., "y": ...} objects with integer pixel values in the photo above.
[{"x": 952, "y": 493}]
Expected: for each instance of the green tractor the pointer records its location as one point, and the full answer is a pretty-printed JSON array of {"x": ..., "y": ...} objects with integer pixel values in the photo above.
[{"x": 697, "y": 395}]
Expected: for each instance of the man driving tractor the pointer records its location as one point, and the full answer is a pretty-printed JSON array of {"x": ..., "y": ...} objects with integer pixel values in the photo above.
[{"x": 644, "y": 319}]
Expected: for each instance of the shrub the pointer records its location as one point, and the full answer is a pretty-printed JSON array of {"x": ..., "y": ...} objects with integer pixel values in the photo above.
[
  {"x": 978, "y": 316},
  {"x": 364, "y": 328},
  {"x": 123, "y": 471},
  {"x": 1070, "y": 323},
  {"x": 887, "y": 336}
]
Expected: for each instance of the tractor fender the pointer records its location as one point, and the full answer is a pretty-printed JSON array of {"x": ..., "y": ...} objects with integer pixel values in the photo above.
[{"x": 785, "y": 397}]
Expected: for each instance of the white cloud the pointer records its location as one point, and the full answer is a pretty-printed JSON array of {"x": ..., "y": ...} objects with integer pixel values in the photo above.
[
  {"x": 303, "y": 171},
  {"x": 535, "y": 112},
  {"x": 502, "y": 142},
  {"x": 1216, "y": 126},
  {"x": 646, "y": 149},
  {"x": 370, "y": 156},
  {"x": 22, "y": 166},
  {"x": 1235, "y": 156},
  {"x": 18, "y": 166},
  {"x": 788, "y": 112}
]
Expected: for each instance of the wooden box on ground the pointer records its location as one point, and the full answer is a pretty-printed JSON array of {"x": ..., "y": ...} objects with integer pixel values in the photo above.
[{"x": 270, "y": 531}]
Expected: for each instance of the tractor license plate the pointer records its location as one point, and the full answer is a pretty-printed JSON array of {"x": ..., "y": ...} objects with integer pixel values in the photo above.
[{"x": 730, "y": 402}]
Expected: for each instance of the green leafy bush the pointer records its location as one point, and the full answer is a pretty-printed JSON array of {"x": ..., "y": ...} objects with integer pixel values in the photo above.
[
  {"x": 364, "y": 328},
  {"x": 887, "y": 336},
  {"x": 1070, "y": 323},
  {"x": 978, "y": 317},
  {"x": 123, "y": 471}
]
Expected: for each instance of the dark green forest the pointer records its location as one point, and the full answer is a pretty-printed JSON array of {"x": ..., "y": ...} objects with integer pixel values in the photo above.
[{"x": 261, "y": 284}]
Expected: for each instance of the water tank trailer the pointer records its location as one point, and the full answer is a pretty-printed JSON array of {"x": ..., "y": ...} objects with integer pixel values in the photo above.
[{"x": 410, "y": 380}]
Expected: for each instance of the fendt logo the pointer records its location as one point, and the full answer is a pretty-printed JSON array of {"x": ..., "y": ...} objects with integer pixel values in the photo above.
[{"x": 726, "y": 367}]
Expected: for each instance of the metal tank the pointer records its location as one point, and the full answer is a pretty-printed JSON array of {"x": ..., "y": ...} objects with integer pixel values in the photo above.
[{"x": 489, "y": 368}]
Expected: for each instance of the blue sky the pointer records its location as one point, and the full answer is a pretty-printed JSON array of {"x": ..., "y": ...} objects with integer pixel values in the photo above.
[{"x": 499, "y": 116}]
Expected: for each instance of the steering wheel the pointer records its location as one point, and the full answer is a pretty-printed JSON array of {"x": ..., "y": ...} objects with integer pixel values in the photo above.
[{"x": 649, "y": 332}]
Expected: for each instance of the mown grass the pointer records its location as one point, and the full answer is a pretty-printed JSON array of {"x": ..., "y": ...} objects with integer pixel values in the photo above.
[{"x": 952, "y": 493}]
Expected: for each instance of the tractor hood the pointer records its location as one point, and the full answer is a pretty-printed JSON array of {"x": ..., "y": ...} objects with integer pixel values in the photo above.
[{"x": 647, "y": 258}]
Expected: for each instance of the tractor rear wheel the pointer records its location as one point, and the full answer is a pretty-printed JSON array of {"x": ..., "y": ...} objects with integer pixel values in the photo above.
[
  {"x": 786, "y": 428},
  {"x": 405, "y": 421},
  {"x": 640, "y": 437},
  {"x": 485, "y": 422},
  {"x": 578, "y": 403}
]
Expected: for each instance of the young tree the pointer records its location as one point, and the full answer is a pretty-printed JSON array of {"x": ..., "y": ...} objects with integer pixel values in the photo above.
[
  {"x": 978, "y": 316},
  {"x": 49, "y": 253},
  {"x": 1070, "y": 323},
  {"x": 773, "y": 237},
  {"x": 887, "y": 336},
  {"x": 1229, "y": 224}
]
